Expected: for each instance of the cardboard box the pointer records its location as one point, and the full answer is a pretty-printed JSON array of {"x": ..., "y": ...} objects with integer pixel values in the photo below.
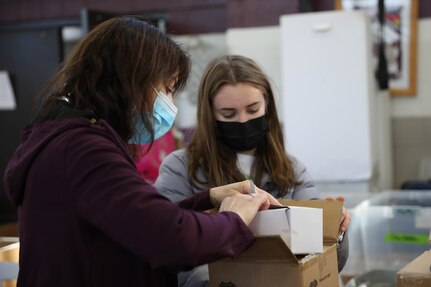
[
  {"x": 301, "y": 228},
  {"x": 416, "y": 273},
  {"x": 9, "y": 249},
  {"x": 270, "y": 262}
]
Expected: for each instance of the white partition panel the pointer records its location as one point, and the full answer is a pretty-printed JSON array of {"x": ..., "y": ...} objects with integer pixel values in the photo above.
[{"x": 328, "y": 89}]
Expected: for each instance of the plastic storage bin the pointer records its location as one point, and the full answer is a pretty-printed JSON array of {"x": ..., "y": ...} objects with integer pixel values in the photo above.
[
  {"x": 375, "y": 278},
  {"x": 394, "y": 228}
]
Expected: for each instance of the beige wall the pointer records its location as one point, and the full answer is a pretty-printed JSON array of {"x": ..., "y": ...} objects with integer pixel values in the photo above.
[
  {"x": 419, "y": 105},
  {"x": 411, "y": 118}
]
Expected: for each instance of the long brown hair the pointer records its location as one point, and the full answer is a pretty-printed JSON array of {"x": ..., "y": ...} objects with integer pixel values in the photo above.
[
  {"x": 111, "y": 72},
  {"x": 216, "y": 160}
]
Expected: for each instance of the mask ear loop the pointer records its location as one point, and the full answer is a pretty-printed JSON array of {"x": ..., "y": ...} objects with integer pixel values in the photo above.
[
  {"x": 155, "y": 90},
  {"x": 157, "y": 95}
]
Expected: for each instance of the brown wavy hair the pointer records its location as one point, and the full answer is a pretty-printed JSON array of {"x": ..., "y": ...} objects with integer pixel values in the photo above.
[
  {"x": 112, "y": 71},
  {"x": 216, "y": 160}
]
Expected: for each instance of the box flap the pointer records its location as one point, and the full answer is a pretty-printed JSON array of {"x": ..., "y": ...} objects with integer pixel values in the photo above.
[
  {"x": 331, "y": 215},
  {"x": 300, "y": 227},
  {"x": 268, "y": 248},
  {"x": 418, "y": 268}
]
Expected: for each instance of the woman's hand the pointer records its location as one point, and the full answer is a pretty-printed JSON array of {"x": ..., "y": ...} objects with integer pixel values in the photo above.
[
  {"x": 218, "y": 194},
  {"x": 236, "y": 197},
  {"x": 246, "y": 206},
  {"x": 345, "y": 215}
]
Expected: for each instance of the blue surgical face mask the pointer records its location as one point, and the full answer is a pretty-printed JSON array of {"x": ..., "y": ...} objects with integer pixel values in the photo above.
[{"x": 164, "y": 112}]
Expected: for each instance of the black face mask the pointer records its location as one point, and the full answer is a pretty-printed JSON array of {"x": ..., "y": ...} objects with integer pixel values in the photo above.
[{"x": 242, "y": 136}]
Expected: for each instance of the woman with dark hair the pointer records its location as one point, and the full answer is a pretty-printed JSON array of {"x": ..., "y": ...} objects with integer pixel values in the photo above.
[
  {"x": 86, "y": 216},
  {"x": 238, "y": 136}
]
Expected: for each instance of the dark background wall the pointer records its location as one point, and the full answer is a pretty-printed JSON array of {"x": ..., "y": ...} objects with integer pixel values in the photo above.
[
  {"x": 31, "y": 45},
  {"x": 30, "y": 55},
  {"x": 184, "y": 17}
]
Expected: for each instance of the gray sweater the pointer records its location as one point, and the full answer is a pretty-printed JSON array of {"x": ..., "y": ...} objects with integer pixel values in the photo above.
[{"x": 173, "y": 181}]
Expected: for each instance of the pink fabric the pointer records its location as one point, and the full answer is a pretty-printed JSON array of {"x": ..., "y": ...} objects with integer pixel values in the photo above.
[{"x": 148, "y": 163}]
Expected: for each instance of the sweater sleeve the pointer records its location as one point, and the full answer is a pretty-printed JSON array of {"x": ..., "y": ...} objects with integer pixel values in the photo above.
[
  {"x": 343, "y": 252},
  {"x": 307, "y": 189},
  {"x": 200, "y": 201},
  {"x": 112, "y": 196},
  {"x": 172, "y": 181}
]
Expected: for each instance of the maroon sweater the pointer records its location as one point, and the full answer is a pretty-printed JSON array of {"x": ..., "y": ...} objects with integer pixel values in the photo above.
[{"x": 87, "y": 217}]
